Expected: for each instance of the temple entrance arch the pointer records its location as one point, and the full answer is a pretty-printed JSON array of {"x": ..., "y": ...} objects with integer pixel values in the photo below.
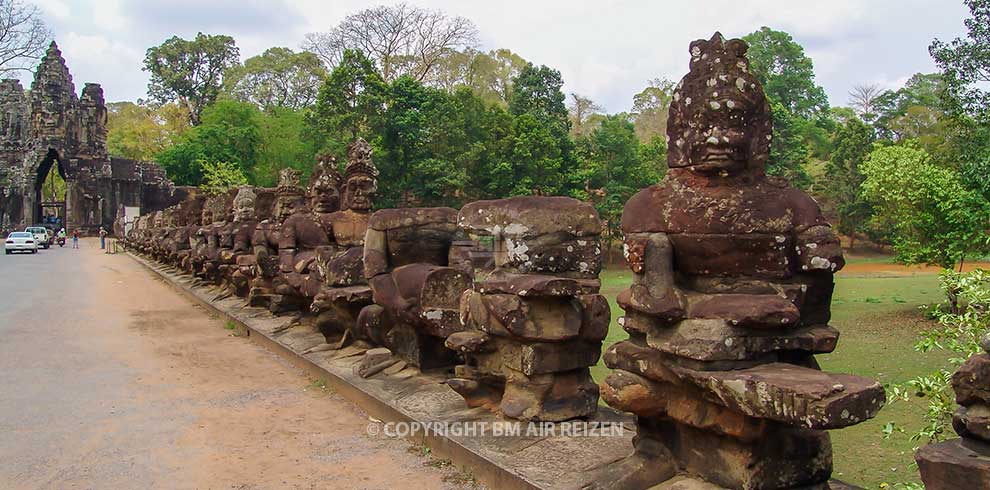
[{"x": 50, "y": 187}]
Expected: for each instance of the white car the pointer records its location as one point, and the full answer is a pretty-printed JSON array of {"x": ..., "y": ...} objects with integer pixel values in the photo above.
[
  {"x": 41, "y": 236},
  {"x": 20, "y": 241}
]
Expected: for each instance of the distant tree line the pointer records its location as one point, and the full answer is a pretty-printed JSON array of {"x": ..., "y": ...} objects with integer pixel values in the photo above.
[{"x": 905, "y": 168}]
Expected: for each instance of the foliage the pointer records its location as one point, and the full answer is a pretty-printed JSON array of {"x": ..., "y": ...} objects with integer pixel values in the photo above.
[
  {"x": 787, "y": 74},
  {"x": 350, "y": 101},
  {"x": 852, "y": 143},
  {"x": 613, "y": 168},
  {"x": 584, "y": 114},
  {"x": 965, "y": 63},
  {"x": 401, "y": 39},
  {"x": 933, "y": 217},
  {"x": 140, "y": 132},
  {"x": 788, "y": 151},
  {"x": 220, "y": 177},
  {"x": 650, "y": 109},
  {"x": 23, "y": 36},
  {"x": 961, "y": 323},
  {"x": 190, "y": 72},
  {"x": 277, "y": 78},
  {"x": 913, "y": 111},
  {"x": 230, "y": 132}
]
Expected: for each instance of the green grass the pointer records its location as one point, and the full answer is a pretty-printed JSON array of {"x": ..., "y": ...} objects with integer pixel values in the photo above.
[{"x": 878, "y": 317}]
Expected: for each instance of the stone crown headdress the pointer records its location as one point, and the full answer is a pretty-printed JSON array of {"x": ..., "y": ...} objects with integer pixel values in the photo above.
[
  {"x": 718, "y": 67},
  {"x": 359, "y": 160},
  {"x": 245, "y": 197},
  {"x": 325, "y": 173},
  {"x": 288, "y": 183}
]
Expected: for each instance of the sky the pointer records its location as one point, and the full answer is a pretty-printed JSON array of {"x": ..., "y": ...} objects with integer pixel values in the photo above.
[{"x": 606, "y": 49}]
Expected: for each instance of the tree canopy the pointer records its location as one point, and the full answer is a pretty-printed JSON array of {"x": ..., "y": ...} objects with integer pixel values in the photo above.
[{"x": 190, "y": 72}]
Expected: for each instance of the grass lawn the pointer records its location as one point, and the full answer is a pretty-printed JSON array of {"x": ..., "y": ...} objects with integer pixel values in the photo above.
[{"x": 877, "y": 314}]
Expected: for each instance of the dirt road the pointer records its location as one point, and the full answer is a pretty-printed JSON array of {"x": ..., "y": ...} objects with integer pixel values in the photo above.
[{"x": 109, "y": 379}]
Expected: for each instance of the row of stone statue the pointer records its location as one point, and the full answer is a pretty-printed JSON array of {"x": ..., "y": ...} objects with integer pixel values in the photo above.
[{"x": 729, "y": 302}]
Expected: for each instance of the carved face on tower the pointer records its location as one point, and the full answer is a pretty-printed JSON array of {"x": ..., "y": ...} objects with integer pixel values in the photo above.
[
  {"x": 361, "y": 177},
  {"x": 244, "y": 204},
  {"x": 287, "y": 194},
  {"x": 324, "y": 186},
  {"x": 720, "y": 122}
]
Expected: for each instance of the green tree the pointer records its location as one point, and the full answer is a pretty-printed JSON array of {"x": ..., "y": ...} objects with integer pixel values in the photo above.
[
  {"x": 350, "y": 102},
  {"x": 277, "y": 78},
  {"x": 282, "y": 144},
  {"x": 788, "y": 150},
  {"x": 613, "y": 167},
  {"x": 650, "y": 109},
  {"x": 852, "y": 143},
  {"x": 934, "y": 218},
  {"x": 542, "y": 130},
  {"x": 220, "y": 177},
  {"x": 140, "y": 132},
  {"x": 230, "y": 132},
  {"x": 965, "y": 63},
  {"x": 786, "y": 72},
  {"x": 190, "y": 72}
]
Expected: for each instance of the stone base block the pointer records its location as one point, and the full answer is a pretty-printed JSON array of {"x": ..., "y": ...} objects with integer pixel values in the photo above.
[{"x": 959, "y": 464}]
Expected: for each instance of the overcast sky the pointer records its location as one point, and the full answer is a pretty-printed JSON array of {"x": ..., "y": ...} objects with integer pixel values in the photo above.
[{"x": 605, "y": 49}]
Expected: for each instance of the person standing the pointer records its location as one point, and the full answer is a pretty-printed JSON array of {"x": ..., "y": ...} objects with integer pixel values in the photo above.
[
  {"x": 75, "y": 238},
  {"x": 103, "y": 238}
]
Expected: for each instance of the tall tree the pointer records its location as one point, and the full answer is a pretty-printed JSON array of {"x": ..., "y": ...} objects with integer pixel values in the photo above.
[
  {"x": 541, "y": 120},
  {"x": 864, "y": 98},
  {"x": 650, "y": 109},
  {"x": 23, "y": 36},
  {"x": 934, "y": 218},
  {"x": 190, "y": 72},
  {"x": 277, "y": 78},
  {"x": 140, "y": 132},
  {"x": 350, "y": 101},
  {"x": 965, "y": 62},
  {"x": 584, "y": 113},
  {"x": 401, "y": 39},
  {"x": 536, "y": 91},
  {"x": 852, "y": 143},
  {"x": 786, "y": 72}
]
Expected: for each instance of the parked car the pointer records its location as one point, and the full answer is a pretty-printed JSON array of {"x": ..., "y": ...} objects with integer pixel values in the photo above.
[
  {"x": 41, "y": 235},
  {"x": 20, "y": 241}
]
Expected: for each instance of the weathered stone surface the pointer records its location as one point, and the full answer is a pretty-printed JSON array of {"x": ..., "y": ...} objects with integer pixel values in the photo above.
[
  {"x": 374, "y": 361},
  {"x": 958, "y": 464},
  {"x": 791, "y": 394},
  {"x": 716, "y": 340},
  {"x": 729, "y": 302},
  {"x": 534, "y": 309},
  {"x": 972, "y": 422},
  {"x": 53, "y": 126},
  {"x": 745, "y": 310},
  {"x": 972, "y": 381},
  {"x": 550, "y": 397}
]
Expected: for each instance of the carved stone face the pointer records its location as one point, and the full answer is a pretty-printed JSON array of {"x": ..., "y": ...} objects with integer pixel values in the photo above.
[
  {"x": 244, "y": 204},
  {"x": 206, "y": 216},
  {"x": 720, "y": 120},
  {"x": 157, "y": 219},
  {"x": 325, "y": 196},
  {"x": 359, "y": 191}
]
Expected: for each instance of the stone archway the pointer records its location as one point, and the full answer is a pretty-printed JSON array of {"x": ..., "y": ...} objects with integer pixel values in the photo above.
[{"x": 42, "y": 207}]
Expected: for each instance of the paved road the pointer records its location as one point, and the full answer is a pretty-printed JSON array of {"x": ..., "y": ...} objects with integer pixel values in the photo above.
[{"x": 109, "y": 379}]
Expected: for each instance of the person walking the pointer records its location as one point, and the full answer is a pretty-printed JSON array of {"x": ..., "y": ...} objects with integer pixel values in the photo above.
[
  {"x": 75, "y": 238},
  {"x": 103, "y": 238}
]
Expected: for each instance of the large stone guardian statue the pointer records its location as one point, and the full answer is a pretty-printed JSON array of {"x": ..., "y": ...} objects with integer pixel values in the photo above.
[{"x": 732, "y": 284}]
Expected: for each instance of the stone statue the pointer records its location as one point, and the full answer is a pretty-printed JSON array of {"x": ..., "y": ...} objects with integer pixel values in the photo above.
[
  {"x": 535, "y": 323},
  {"x": 964, "y": 464},
  {"x": 236, "y": 242},
  {"x": 343, "y": 291},
  {"x": 266, "y": 239},
  {"x": 729, "y": 303},
  {"x": 416, "y": 293}
]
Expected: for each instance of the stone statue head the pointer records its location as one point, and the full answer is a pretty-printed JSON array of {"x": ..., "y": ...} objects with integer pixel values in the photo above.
[
  {"x": 324, "y": 185},
  {"x": 720, "y": 121},
  {"x": 361, "y": 177},
  {"x": 244, "y": 203},
  {"x": 287, "y": 194},
  {"x": 157, "y": 219}
]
